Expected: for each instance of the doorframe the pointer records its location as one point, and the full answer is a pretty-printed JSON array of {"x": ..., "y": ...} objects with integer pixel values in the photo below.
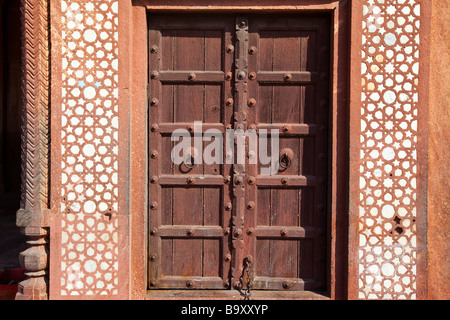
[{"x": 133, "y": 79}]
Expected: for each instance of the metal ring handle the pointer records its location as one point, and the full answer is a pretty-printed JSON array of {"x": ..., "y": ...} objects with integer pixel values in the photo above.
[
  {"x": 189, "y": 166},
  {"x": 289, "y": 161}
]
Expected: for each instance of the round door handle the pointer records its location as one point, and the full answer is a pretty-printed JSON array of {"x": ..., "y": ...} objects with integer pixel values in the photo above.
[{"x": 285, "y": 161}]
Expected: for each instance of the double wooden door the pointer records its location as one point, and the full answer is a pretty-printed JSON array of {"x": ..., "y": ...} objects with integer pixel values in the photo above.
[{"x": 213, "y": 225}]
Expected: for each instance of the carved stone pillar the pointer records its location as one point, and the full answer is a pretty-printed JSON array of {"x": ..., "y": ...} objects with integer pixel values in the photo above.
[{"x": 33, "y": 215}]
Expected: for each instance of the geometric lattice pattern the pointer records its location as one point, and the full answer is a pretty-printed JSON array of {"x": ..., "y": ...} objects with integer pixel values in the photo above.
[
  {"x": 89, "y": 255},
  {"x": 387, "y": 211},
  {"x": 89, "y": 136}
]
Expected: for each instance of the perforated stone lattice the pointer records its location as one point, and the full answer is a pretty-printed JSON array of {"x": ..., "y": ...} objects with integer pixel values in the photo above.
[
  {"x": 387, "y": 212},
  {"x": 89, "y": 137},
  {"x": 89, "y": 255}
]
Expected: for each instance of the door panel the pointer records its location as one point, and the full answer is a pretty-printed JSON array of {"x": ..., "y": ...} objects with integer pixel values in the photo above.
[
  {"x": 287, "y": 238},
  {"x": 205, "y": 222},
  {"x": 189, "y": 209}
]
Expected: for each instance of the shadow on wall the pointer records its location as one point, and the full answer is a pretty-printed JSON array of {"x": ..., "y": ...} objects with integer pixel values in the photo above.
[{"x": 12, "y": 242}]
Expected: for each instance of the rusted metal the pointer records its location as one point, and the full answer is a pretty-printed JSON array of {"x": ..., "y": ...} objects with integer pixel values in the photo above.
[
  {"x": 252, "y": 50},
  {"x": 154, "y": 154},
  {"x": 247, "y": 278},
  {"x": 154, "y": 127},
  {"x": 251, "y": 103},
  {"x": 189, "y": 161},
  {"x": 154, "y": 205},
  {"x": 242, "y": 75},
  {"x": 154, "y": 102},
  {"x": 154, "y": 49},
  {"x": 286, "y": 129},
  {"x": 286, "y": 158},
  {"x": 287, "y": 76},
  {"x": 154, "y": 74},
  {"x": 230, "y": 48},
  {"x": 191, "y": 76}
]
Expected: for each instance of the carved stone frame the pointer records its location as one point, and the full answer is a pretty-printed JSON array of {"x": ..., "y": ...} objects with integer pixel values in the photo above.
[
  {"x": 133, "y": 47},
  {"x": 33, "y": 215}
]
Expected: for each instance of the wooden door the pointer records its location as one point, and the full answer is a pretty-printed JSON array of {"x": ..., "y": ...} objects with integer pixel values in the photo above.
[
  {"x": 189, "y": 210},
  {"x": 289, "y": 59},
  {"x": 207, "y": 222}
]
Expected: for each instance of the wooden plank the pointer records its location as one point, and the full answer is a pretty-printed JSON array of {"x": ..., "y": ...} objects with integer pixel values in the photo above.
[
  {"x": 279, "y": 77},
  {"x": 234, "y": 295},
  {"x": 197, "y": 180},
  {"x": 286, "y": 50},
  {"x": 291, "y": 232},
  {"x": 286, "y": 104},
  {"x": 293, "y": 128},
  {"x": 285, "y": 284},
  {"x": 191, "y": 21},
  {"x": 291, "y": 181},
  {"x": 212, "y": 259},
  {"x": 169, "y": 128},
  {"x": 287, "y": 23},
  {"x": 190, "y": 231},
  {"x": 188, "y": 40},
  {"x": 187, "y": 257},
  {"x": 192, "y": 283},
  {"x": 285, "y": 109},
  {"x": 188, "y": 103},
  {"x": 191, "y": 76},
  {"x": 283, "y": 255}
]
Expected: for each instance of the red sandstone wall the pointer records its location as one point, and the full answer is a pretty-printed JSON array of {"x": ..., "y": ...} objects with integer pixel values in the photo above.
[{"x": 439, "y": 151}]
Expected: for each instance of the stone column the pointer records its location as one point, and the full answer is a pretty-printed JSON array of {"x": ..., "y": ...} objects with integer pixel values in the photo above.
[{"x": 33, "y": 215}]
